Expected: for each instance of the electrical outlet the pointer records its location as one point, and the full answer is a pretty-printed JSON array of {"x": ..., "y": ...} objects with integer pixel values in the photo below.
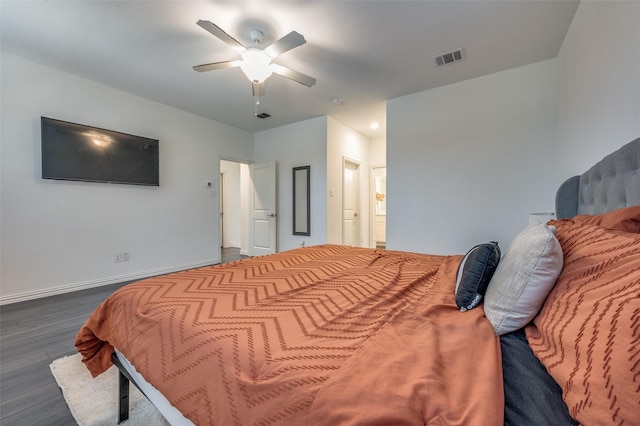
[
  {"x": 125, "y": 256},
  {"x": 117, "y": 258}
]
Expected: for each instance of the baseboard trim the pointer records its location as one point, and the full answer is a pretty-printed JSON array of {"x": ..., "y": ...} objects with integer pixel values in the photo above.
[{"x": 38, "y": 294}]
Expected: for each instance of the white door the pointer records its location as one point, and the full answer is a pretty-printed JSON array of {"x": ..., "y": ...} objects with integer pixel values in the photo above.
[
  {"x": 350, "y": 219},
  {"x": 262, "y": 205}
]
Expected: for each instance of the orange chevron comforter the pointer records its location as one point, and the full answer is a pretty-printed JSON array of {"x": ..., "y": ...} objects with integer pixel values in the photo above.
[{"x": 319, "y": 335}]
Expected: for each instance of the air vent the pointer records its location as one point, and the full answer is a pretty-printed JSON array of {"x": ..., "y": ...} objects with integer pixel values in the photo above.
[
  {"x": 449, "y": 58},
  {"x": 263, "y": 115}
]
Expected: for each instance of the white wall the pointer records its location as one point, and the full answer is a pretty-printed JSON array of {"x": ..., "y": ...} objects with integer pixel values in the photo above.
[
  {"x": 298, "y": 144},
  {"x": 468, "y": 162},
  {"x": 342, "y": 141},
  {"x": 599, "y": 83},
  {"x": 378, "y": 151},
  {"x": 59, "y": 236},
  {"x": 486, "y": 151}
]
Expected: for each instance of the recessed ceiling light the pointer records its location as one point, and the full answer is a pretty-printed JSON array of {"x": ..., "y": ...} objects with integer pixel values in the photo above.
[
  {"x": 374, "y": 125},
  {"x": 336, "y": 100}
]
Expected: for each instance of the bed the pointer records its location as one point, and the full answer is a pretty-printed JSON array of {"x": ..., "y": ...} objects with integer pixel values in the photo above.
[{"x": 342, "y": 335}]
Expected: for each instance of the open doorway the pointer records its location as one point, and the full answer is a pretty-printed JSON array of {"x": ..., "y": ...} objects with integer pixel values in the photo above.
[
  {"x": 233, "y": 229},
  {"x": 379, "y": 201},
  {"x": 248, "y": 208}
]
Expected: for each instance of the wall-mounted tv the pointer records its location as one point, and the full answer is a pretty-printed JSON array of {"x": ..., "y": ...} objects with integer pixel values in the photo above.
[{"x": 76, "y": 152}]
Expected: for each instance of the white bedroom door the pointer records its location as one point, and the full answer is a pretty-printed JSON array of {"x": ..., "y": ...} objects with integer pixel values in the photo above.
[
  {"x": 262, "y": 209},
  {"x": 350, "y": 218}
]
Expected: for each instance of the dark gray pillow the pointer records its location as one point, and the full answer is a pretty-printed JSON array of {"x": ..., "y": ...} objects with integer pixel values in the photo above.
[{"x": 474, "y": 273}]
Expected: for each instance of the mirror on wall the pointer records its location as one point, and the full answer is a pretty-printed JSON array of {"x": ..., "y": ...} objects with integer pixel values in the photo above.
[{"x": 301, "y": 200}]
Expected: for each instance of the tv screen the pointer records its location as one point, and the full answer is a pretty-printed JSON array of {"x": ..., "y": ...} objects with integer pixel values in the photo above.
[{"x": 75, "y": 152}]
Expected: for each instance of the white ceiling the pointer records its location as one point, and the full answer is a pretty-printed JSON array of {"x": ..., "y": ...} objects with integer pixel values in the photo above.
[{"x": 363, "y": 52}]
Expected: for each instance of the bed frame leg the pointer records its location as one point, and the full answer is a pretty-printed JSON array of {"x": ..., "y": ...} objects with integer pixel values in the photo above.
[{"x": 123, "y": 398}]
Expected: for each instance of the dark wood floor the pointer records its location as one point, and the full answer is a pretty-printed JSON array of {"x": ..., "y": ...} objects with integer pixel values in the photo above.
[{"x": 32, "y": 335}]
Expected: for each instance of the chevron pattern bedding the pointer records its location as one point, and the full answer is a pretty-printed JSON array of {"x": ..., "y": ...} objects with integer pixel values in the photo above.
[
  {"x": 330, "y": 333},
  {"x": 587, "y": 334}
]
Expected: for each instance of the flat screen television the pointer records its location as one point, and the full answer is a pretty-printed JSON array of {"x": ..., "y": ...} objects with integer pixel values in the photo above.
[{"x": 76, "y": 152}]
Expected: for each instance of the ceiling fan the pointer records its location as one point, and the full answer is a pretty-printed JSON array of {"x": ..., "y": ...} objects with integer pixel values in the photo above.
[{"x": 256, "y": 59}]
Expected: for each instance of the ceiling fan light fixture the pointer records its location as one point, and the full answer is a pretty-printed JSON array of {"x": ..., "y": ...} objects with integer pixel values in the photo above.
[
  {"x": 256, "y": 65},
  {"x": 256, "y": 60}
]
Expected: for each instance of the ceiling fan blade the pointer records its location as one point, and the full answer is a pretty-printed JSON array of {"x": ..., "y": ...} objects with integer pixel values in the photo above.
[
  {"x": 257, "y": 89},
  {"x": 219, "y": 32},
  {"x": 294, "y": 75},
  {"x": 286, "y": 43},
  {"x": 216, "y": 66}
]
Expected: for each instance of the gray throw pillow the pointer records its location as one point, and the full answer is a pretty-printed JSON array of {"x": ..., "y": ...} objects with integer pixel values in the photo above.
[{"x": 524, "y": 277}]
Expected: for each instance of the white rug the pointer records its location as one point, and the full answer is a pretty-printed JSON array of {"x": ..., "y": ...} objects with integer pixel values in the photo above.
[{"x": 94, "y": 402}]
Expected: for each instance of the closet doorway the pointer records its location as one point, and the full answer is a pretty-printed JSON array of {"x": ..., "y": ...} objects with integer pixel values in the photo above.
[{"x": 234, "y": 207}]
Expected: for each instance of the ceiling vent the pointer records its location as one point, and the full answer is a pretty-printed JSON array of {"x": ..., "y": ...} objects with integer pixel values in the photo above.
[
  {"x": 263, "y": 115},
  {"x": 449, "y": 58}
]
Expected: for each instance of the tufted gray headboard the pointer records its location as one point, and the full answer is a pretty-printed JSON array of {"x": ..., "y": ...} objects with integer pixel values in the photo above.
[{"x": 612, "y": 183}]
